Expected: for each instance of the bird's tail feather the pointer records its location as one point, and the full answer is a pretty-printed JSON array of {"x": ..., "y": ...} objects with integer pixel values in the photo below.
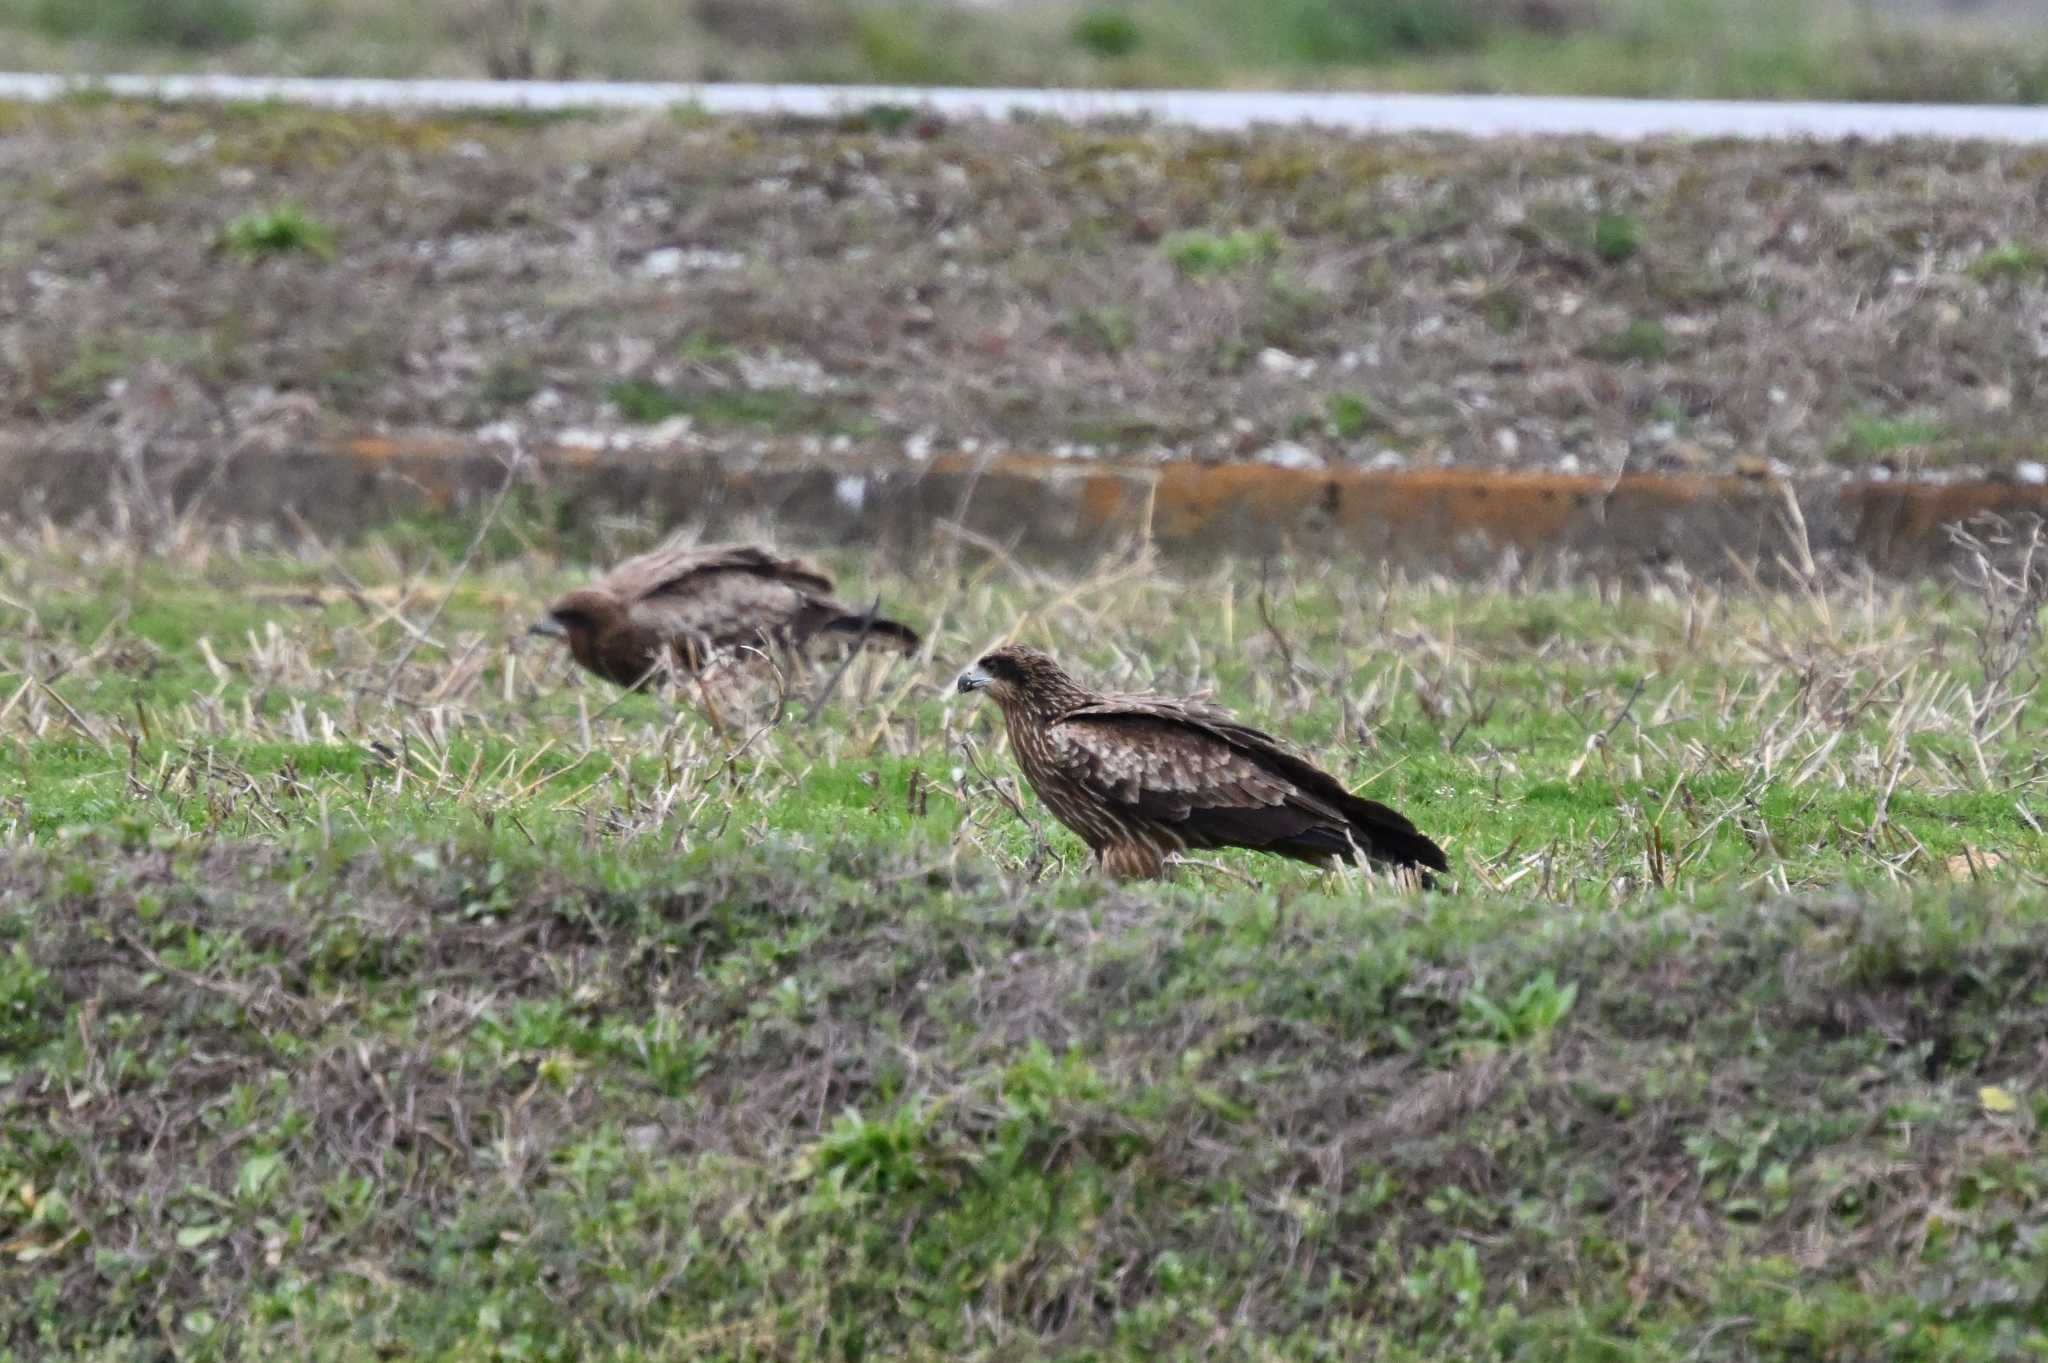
[
  {"x": 1386, "y": 835},
  {"x": 876, "y": 627}
]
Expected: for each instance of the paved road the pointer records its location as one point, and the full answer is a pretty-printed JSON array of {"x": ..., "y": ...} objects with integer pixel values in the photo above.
[{"x": 1471, "y": 115}]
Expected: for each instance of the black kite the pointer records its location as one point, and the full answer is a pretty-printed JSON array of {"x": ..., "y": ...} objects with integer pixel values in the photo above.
[
  {"x": 681, "y": 607},
  {"x": 1141, "y": 778}
]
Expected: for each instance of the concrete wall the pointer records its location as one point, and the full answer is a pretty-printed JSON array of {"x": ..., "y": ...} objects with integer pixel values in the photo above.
[{"x": 1463, "y": 522}]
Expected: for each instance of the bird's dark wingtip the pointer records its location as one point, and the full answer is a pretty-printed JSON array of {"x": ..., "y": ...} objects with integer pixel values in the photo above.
[
  {"x": 878, "y": 627},
  {"x": 1422, "y": 856}
]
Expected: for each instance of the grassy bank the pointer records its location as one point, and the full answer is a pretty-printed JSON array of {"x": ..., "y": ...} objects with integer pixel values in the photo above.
[
  {"x": 894, "y": 285},
  {"x": 373, "y": 985},
  {"x": 1816, "y": 49}
]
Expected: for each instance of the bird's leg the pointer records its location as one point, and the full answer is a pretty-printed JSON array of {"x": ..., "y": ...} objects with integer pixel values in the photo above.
[
  {"x": 1127, "y": 861},
  {"x": 693, "y": 662},
  {"x": 709, "y": 705}
]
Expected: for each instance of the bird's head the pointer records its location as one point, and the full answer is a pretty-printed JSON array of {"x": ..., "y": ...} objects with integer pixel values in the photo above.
[
  {"x": 576, "y": 616},
  {"x": 1014, "y": 674}
]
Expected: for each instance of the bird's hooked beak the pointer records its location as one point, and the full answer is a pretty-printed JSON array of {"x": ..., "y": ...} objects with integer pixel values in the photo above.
[
  {"x": 548, "y": 627},
  {"x": 972, "y": 680}
]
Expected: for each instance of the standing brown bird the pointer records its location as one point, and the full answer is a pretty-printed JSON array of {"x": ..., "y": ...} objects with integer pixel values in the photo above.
[
  {"x": 681, "y": 607},
  {"x": 1143, "y": 777}
]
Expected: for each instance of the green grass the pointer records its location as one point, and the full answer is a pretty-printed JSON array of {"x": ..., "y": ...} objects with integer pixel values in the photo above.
[
  {"x": 1868, "y": 436},
  {"x": 1350, "y": 415},
  {"x": 1698, "y": 48},
  {"x": 183, "y": 25},
  {"x": 1643, "y": 340},
  {"x": 2015, "y": 261},
  {"x": 364, "y": 996},
  {"x": 281, "y": 231},
  {"x": 1748, "y": 49},
  {"x": 1617, "y": 236},
  {"x": 1202, "y": 253},
  {"x": 1315, "y": 33},
  {"x": 1108, "y": 32}
]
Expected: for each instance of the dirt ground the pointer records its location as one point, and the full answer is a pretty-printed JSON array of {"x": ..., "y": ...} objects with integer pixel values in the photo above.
[{"x": 897, "y": 286}]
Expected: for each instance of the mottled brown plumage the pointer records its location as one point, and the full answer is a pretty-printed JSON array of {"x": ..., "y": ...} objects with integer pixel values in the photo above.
[
  {"x": 681, "y": 607},
  {"x": 1141, "y": 778}
]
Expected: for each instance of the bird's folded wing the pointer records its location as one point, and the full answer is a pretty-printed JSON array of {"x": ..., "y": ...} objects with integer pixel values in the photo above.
[
  {"x": 1221, "y": 783},
  {"x": 681, "y": 569},
  {"x": 650, "y": 572},
  {"x": 723, "y": 606},
  {"x": 748, "y": 560},
  {"x": 1162, "y": 764}
]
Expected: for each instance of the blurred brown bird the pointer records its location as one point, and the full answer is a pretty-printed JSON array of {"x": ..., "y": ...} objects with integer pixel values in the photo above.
[
  {"x": 1141, "y": 778},
  {"x": 681, "y": 607}
]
